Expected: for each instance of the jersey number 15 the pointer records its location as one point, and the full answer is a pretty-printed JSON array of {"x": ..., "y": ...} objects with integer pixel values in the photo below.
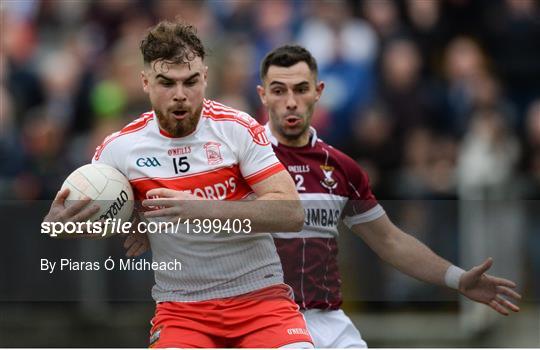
[{"x": 180, "y": 164}]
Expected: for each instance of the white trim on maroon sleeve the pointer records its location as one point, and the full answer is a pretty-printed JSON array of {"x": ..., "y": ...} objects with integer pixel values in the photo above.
[{"x": 370, "y": 215}]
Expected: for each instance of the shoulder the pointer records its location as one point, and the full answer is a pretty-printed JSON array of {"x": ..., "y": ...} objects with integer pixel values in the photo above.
[
  {"x": 348, "y": 166},
  {"x": 230, "y": 119},
  {"x": 219, "y": 112},
  {"x": 341, "y": 158},
  {"x": 125, "y": 134}
]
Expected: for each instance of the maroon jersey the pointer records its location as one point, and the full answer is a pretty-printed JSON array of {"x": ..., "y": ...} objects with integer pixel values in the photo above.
[{"x": 332, "y": 187}]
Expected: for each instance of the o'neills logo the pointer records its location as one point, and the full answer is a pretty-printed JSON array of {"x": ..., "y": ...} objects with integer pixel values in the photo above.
[
  {"x": 292, "y": 331},
  {"x": 117, "y": 205},
  {"x": 179, "y": 151}
]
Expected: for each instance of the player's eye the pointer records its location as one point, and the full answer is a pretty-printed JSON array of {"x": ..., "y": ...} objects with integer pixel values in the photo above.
[
  {"x": 191, "y": 82},
  {"x": 166, "y": 83},
  {"x": 301, "y": 89},
  {"x": 277, "y": 91}
]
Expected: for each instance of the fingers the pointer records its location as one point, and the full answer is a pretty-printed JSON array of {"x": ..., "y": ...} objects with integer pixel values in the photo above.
[
  {"x": 129, "y": 241},
  {"x": 481, "y": 269},
  {"x": 86, "y": 213},
  {"x": 507, "y": 304},
  {"x": 61, "y": 196},
  {"x": 135, "y": 247},
  {"x": 161, "y": 192},
  {"x": 136, "y": 244},
  {"x": 502, "y": 305},
  {"x": 142, "y": 249},
  {"x": 504, "y": 282},
  {"x": 76, "y": 207},
  {"x": 159, "y": 202},
  {"x": 164, "y": 212},
  {"x": 498, "y": 307},
  {"x": 508, "y": 292}
]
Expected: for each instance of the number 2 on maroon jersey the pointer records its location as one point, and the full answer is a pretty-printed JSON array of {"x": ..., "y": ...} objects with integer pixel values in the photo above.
[{"x": 299, "y": 179}]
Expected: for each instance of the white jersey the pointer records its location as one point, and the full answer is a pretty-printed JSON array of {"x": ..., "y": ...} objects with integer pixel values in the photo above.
[{"x": 226, "y": 154}]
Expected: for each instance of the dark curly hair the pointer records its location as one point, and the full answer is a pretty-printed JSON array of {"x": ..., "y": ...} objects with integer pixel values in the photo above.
[
  {"x": 172, "y": 42},
  {"x": 286, "y": 56}
]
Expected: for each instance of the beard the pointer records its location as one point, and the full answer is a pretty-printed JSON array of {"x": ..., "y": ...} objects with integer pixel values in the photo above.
[
  {"x": 292, "y": 132},
  {"x": 179, "y": 128}
]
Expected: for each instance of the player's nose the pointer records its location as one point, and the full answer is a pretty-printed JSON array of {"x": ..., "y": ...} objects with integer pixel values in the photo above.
[
  {"x": 179, "y": 94},
  {"x": 291, "y": 102}
]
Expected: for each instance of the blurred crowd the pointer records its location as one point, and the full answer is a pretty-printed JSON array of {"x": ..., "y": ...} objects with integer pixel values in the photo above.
[{"x": 436, "y": 99}]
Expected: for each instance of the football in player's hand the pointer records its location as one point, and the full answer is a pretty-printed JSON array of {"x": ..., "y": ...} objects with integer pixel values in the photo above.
[{"x": 105, "y": 186}]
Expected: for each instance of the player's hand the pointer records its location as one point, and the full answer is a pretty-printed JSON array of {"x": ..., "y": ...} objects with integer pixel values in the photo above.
[
  {"x": 489, "y": 290},
  {"x": 136, "y": 244},
  {"x": 79, "y": 211},
  {"x": 174, "y": 204}
]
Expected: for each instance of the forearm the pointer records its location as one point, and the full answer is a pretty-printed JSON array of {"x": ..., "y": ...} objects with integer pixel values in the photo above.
[
  {"x": 403, "y": 251},
  {"x": 276, "y": 209},
  {"x": 268, "y": 213},
  {"x": 412, "y": 257}
]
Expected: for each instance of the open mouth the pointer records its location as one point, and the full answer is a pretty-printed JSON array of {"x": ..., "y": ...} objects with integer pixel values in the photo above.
[
  {"x": 179, "y": 114},
  {"x": 292, "y": 120}
]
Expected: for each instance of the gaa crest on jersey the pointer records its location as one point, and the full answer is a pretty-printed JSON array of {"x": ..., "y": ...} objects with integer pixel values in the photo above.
[
  {"x": 213, "y": 154},
  {"x": 328, "y": 182}
]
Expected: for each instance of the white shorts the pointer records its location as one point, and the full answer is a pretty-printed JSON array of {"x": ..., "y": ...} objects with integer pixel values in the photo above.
[{"x": 332, "y": 329}]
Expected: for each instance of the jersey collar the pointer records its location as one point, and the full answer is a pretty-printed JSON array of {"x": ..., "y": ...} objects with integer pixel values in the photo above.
[{"x": 313, "y": 137}]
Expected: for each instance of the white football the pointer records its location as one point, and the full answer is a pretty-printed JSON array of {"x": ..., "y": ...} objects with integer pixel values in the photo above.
[{"x": 106, "y": 186}]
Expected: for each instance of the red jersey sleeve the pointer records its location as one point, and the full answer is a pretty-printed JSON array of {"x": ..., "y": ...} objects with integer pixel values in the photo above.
[{"x": 257, "y": 158}]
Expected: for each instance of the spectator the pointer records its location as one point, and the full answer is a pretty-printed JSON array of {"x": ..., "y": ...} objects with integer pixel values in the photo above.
[{"x": 345, "y": 48}]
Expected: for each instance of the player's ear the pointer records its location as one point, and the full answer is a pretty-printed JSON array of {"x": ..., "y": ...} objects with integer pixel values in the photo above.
[
  {"x": 205, "y": 76},
  {"x": 262, "y": 94},
  {"x": 319, "y": 89},
  {"x": 144, "y": 81}
]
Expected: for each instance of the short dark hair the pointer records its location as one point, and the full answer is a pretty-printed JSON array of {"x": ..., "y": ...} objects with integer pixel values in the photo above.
[
  {"x": 172, "y": 42},
  {"x": 286, "y": 56}
]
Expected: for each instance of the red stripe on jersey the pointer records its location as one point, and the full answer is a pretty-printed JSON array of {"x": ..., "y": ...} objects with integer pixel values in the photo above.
[
  {"x": 216, "y": 115},
  {"x": 136, "y": 125},
  {"x": 220, "y": 118},
  {"x": 215, "y": 109},
  {"x": 221, "y": 107},
  {"x": 224, "y": 183},
  {"x": 256, "y": 130},
  {"x": 264, "y": 173}
]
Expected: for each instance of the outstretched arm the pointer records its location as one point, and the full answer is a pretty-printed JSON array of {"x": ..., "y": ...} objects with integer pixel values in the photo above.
[{"x": 415, "y": 259}]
